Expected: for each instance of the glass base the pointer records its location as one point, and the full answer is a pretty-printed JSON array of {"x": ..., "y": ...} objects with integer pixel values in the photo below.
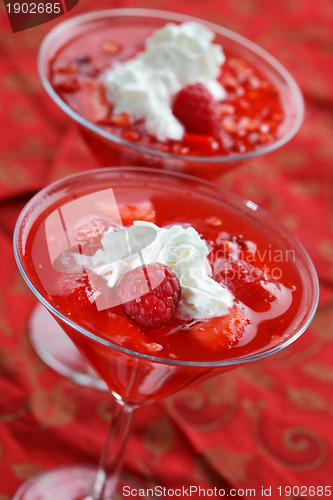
[
  {"x": 71, "y": 483},
  {"x": 56, "y": 350}
]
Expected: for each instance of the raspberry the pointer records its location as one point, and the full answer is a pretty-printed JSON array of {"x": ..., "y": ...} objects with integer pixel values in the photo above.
[
  {"x": 149, "y": 294},
  {"x": 196, "y": 109}
]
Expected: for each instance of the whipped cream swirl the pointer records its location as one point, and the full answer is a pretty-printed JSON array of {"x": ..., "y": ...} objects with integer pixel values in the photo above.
[
  {"x": 175, "y": 56},
  {"x": 184, "y": 252}
]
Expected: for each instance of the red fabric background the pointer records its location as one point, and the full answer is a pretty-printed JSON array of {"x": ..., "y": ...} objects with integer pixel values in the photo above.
[{"x": 269, "y": 424}]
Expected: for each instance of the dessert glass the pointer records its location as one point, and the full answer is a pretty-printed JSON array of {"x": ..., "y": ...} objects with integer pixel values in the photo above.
[
  {"x": 111, "y": 150},
  {"x": 135, "y": 378}
]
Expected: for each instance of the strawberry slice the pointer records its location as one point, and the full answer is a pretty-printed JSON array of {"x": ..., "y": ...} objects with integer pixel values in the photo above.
[
  {"x": 65, "y": 66},
  {"x": 131, "y": 336},
  {"x": 121, "y": 120},
  {"x": 245, "y": 281},
  {"x": 91, "y": 102},
  {"x": 63, "y": 82},
  {"x": 129, "y": 212},
  {"x": 111, "y": 47},
  {"x": 72, "y": 295},
  {"x": 143, "y": 210},
  {"x": 196, "y": 108},
  {"x": 89, "y": 231},
  {"x": 220, "y": 333},
  {"x": 91, "y": 227},
  {"x": 68, "y": 283},
  {"x": 203, "y": 144}
]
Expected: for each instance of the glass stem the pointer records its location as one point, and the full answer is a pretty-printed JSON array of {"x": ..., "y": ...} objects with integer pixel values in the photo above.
[{"x": 113, "y": 452}]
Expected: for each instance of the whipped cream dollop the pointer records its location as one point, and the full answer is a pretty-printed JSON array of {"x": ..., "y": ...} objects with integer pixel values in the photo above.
[
  {"x": 175, "y": 56},
  {"x": 177, "y": 247}
]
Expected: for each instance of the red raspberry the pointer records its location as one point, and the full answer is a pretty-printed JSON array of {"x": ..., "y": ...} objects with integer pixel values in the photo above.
[
  {"x": 196, "y": 109},
  {"x": 149, "y": 294}
]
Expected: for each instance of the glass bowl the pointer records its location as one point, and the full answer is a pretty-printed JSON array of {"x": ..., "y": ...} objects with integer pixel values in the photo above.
[
  {"x": 134, "y": 378},
  {"x": 111, "y": 150}
]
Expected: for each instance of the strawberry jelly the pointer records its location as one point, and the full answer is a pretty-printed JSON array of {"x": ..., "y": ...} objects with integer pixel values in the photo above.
[
  {"x": 254, "y": 263},
  {"x": 251, "y": 116}
]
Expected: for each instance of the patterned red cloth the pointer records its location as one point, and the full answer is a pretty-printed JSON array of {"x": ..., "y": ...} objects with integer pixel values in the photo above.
[{"x": 265, "y": 425}]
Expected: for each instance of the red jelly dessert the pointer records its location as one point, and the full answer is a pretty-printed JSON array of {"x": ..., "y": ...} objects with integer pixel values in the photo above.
[
  {"x": 214, "y": 279},
  {"x": 131, "y": 80},
  {"x": 248, "y": 117}
]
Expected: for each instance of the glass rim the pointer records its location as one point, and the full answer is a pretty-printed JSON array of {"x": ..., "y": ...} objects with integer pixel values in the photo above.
[
  {"x": 171, "y": 16},
  {"x": 281, "y": 230}
]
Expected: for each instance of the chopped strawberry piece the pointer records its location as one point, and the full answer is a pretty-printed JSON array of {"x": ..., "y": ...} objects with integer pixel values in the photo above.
[
  {"x": 121, "y": 119},
  {"x": 73, "y": 295},
  {"x": 131, "y": 135},
  {"x": 196, "y": 109},
  {"x": 92, "y": 103},
  {"x": 68, "y": 283},
  {"x": 203, "y": 144},
  {"x": 66, "y": 67},
  {"x": 111, "y": 47},
  {"x": 90, "y": 232},
  {"x": 222, "y": 332},
  {"x": 227, "y": 109},
  {"x": 131, "y": 336},
  {"x": 91, "y": 227},
  {"x": 129, "y": 212},
  {"x": 63, "y": 82},
  {"x": 140, "y": 211},
  {"x": 149, "y": 294},
  {"x": 245, "y": 281},
  {"x": 91, "y": 246}
]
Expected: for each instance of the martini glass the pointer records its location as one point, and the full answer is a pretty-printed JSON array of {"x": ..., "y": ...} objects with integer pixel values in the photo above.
[
  {"x": 135, "y": 378},
  {"x": 109, "y": 150},
  {"x": 135, "y": 25}
]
